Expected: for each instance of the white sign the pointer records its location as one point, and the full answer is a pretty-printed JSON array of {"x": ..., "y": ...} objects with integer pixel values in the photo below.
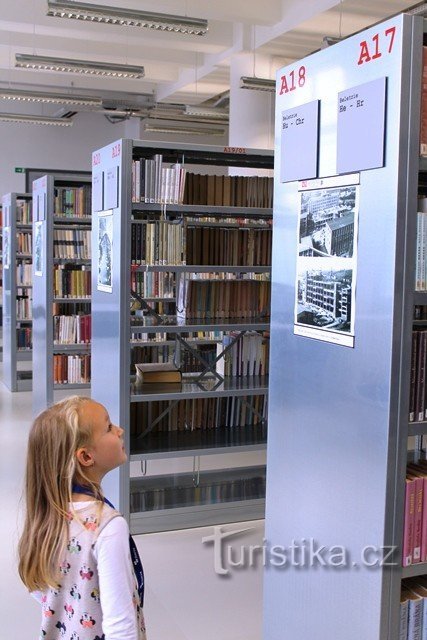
[
  {"x": 361, "y": 127},
  {"x": 300, "y": 142}
]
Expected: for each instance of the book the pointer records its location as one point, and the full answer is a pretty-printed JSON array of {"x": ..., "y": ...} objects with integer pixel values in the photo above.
[{"x": 147, "y": 373}]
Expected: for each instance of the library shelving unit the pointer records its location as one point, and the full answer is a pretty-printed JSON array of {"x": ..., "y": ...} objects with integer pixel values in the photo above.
[
  {"x": 17, "y": 291},
  {"x": 339, "y": 410},
  {"x": 61, "y": 218},
  {"x": 160, "y": 420},
  {"x": 1, "y": 286}
]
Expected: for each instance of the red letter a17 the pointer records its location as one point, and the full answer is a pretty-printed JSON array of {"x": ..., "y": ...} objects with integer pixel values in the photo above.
[{"x": 364, "y": 53}]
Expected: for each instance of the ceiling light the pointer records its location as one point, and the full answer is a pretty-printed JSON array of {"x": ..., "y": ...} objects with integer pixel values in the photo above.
[
  {"x": 26, "y": 61},
  {"x": 206, "y": 112},
  {"x": 53, "y": 98},
  {"x": 13, "y": 117},
  {"x": 192, "y": 131},
  {"x": 126, "y": 17},
  {"x": 259, "y": 84}
]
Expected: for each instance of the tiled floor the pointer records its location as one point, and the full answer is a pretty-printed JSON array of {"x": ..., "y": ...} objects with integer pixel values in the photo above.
[{"x": 185, "y": 598}]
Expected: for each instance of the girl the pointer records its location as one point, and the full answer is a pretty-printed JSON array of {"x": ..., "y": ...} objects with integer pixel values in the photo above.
[{"x": 74, "y": 551}]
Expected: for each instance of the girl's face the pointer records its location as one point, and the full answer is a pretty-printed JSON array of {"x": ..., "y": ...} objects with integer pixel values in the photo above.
[{"x": 106, "y": 451}]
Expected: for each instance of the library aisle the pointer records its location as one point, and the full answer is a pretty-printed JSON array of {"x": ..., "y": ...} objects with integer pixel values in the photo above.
[{"x": 185, "y": 599}]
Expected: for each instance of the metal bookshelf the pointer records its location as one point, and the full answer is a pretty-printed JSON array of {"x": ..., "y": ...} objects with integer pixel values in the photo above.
[
  {"x": 45, "y": 220},
  {"x": 338, "y": 428},
  {"x": 113, "y": 330},
  {"x": 14, "y": 377}
]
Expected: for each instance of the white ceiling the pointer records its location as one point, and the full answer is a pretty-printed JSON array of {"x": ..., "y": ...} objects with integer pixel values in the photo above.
[{"x": 178, "y": 68}]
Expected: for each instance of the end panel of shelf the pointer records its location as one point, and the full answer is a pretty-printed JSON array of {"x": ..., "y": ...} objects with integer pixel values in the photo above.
[{"x": 414, "y": 570}]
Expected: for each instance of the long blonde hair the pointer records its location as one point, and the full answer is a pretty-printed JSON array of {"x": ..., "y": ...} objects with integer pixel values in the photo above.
[{"x": 52, "y": 467}]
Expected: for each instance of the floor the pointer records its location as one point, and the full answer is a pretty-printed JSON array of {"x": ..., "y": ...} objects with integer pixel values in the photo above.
[{"x": 185, "y": 598}]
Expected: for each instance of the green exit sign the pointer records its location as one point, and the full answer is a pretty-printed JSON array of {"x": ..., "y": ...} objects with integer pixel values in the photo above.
[{"x": 19, "y": 170}]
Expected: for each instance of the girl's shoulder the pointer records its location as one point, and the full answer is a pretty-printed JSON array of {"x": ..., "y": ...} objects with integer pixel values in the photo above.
[{"x": 93, "y": 515}]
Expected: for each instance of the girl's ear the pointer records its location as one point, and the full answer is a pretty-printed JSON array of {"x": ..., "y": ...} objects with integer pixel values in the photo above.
[{"x": 84, "y": 457}]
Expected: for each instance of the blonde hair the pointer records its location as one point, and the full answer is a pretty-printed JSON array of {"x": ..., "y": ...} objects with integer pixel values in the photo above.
[{"x": 52, "y": 467}]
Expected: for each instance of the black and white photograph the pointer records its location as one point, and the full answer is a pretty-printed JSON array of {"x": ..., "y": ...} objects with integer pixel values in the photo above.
[
  {"x": 325, "y": 302},
  {"x": 38, "y": 248},
  {"x": 105, "y": 249},
  {"x": 327, "y": 222},
  {"x": 327, "y": 259}
]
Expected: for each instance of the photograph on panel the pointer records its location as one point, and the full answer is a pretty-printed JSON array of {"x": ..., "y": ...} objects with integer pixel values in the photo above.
[
  {"x": 327, "y": 222},
  {"x": 324, "y": 297},
  {"x": 105, "y": 248}
]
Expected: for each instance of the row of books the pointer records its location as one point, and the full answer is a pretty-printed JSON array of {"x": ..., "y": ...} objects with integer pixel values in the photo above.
[
  {"x": 209, "y": 245},
  {"x": 219, "y": 299},
  {"x": 24, "y": 242},
  {"x": 24, "y": 338},
  {"x": 160, "y": 337},
  {"x": 73, "y": 201},
  {"x": 157, "y": 242},
  {"x": 421, "y": 250},
  {"x": 228, "y": 191},
  {"x": 24, "y": 273},
  {"x": 24, "y": 307},
  {"x": 418, "y": 388},
  {"x": 415, "y": 514},
  {"x": 153, "y": 284},
  {"x": 72, "y": 243},
  {"x": 152, "y": 182},
  {"x": 199, "y": 413},
  {"x": 423, "y": 121},
  {"x": 71, "y": 369},
  {"x": 249, "y": 355},
  {"x": 24, "y": 209},
  {"x": 185, "y": 494},
  {"x": 70, "y": 281},
  {"x": 74, "y": 329},
  {"x": 413, "y": 609},
  {"x": 63, "y": 308}
]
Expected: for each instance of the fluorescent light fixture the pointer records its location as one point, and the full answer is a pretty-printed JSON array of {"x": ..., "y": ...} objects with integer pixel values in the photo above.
[
  {"x": 259, "y": 84},
  {"x": 50, "y": 98},
  {"x": 26, "y": 61},
  {"x": 126, "y": 17},
  {"x": 186, "y": 130},
  {"x": 14, "y": 117},
  {"x": 206, "y": 112}
]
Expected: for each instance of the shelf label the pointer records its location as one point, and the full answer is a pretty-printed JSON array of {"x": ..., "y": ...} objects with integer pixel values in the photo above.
[
  {"x": 97, "y": 190},
  {"x": 380, "y": 43},
  {"x": 293, "y": 80},
  {"x": 300, "y": 142},
  {"x": 361, "y": 127},
  {"x": 111, "y": 195}
]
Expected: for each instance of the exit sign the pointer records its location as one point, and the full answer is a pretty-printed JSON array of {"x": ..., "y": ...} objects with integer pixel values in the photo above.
[{"x": 19, "y": 170}]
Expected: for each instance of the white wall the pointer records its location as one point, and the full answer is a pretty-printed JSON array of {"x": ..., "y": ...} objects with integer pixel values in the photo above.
[{"x": 49, "y": 147}]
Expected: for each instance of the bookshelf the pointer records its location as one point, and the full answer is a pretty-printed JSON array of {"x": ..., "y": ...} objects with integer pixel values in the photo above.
[
  {"x": 1, "y": 285},
  {"x": 61, "y": 285},
  {"x": 339, "y": 415},
  {"x": 153, "y": 252},
  {"x": 17, "y": 291}
]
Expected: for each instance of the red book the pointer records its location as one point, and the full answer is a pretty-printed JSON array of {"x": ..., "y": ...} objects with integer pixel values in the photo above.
[{"x": 409, "y": 521}]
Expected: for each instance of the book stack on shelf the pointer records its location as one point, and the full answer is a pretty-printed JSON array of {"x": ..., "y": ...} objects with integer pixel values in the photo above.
[
  {"x": 18, "y": 291},
  {"x": 198, "y": 259},
  {"x": 413, "y": 609},
  {"x": 62, "y": 284}
]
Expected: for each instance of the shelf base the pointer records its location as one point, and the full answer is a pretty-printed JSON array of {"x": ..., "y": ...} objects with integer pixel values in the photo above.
[{"x": 197, "y": 516}]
